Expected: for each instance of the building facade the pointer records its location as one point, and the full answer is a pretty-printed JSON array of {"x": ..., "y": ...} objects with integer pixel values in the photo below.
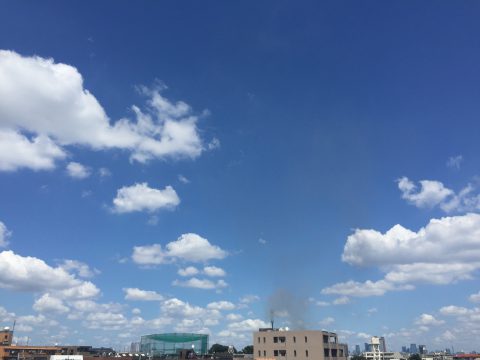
[{"x": 297, "y": 345}]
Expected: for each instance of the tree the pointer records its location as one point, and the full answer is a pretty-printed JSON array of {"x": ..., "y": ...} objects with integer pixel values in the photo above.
[
  {"x": 414, "y": 357},
  {"x": 219, "y": 348},
  {"x": 248, "y": 349}
]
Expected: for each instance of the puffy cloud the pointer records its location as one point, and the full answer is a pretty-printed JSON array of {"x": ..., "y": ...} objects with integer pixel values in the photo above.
[
  {"x": 452, "y": 310},
  {"x": 148, "y": 255},
  {"x": 77, "y": 170},
  {"x": 188, "y": 247},
  {"x": 201, "y": 284},
  {"x": 475, "y": 297},
  {"x": 82, "y": 269},
  {"x": 4, "y": 235},
  {"x": 430, "y": 194},
  {"x": 50, "y": 304},
  {"x": 192, "y": 247},
  {"x": 221, "y": 305},
  {"x": 427, "y": 319},
  {"x": 141, "y": 197},
  {"x": 21, "y": 273},
  {"x": 60, "y": 112},
  {"x": 434, "y": 193},
  {"x": 248, "y": 325},
  {"x": 188, "y": 271},
  {"x": 214, "y": 271},
  {"x": 443, "y": 252},
  {"x": 18, "y": 151},
  {"x": 449, "y": 239},
  {"x": 141, "y": 295}
]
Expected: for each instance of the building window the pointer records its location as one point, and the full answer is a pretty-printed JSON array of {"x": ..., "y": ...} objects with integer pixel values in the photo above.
[
  {"x": 325, "y": 339},
  {"x": 306, "y": 353},
  {"x": 282, "y": 352},
  {"x": 259, "y": 353},
  {"x": 295, "y": 353},
  {"x": 264, "y": 353},
  {"x": 259, "y": 339},
  {"x": 326, "y": 352},
  {"x": 334, "y": 352},
  {"x": 340, "y": 352},
  {"x": 275, "y": 352},
  {"x": 282, "y": 339},
  {"x": 264, "y": 340},
  {"x": 275, "y": 339},
  {"x": 305, "y": 339},
  {"x": 294, "y": 339}
]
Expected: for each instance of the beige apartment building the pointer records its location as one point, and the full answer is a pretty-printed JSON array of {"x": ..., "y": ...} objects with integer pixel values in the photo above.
[{"x": 281, "y": 344}]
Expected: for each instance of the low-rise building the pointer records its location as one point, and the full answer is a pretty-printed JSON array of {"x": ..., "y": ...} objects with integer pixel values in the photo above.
[{"x": 282, "y": 344}]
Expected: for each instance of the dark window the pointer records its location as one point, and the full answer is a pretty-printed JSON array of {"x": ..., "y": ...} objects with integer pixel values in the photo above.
[
  {"x": 282, "y": 339},
  {"x": 264, "y": 353},
  {"x": 294, "y": 339},
  {"x": 282, "y": 352},
  {"x": 305, "y": 339},
  {"x": 306, "y": 353},
  {"x": 259, "y": 353},
  {"x": 275, "y": 339},
  {"x": 325, "y": 339},
  {"x": 294, "y": 352},
  {"x": 259, "y": 339},
  {"x": 326, "y": 352},
  {"x": 334, "y": 352},
  {"x": 275, "y": 352},
  {"x": 264, "y": 340}
]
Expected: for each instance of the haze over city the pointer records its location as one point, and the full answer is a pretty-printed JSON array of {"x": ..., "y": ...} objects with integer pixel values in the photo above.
[{"x": 206, "y": 167}]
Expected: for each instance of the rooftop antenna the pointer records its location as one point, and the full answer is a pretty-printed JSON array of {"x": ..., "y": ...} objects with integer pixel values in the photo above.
[
  {"x": 13, "y": 327},
  {"x": 271, "y": 317}
]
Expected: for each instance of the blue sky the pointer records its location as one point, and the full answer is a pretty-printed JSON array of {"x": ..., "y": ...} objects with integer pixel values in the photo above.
[{"x": 189, "y": 166}]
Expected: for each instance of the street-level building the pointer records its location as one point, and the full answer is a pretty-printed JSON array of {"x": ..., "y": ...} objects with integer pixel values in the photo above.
[{"x": 282, "y": 344}]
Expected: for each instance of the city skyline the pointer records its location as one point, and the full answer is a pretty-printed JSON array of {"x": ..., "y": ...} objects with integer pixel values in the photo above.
[{"x": 192, "y": 167}]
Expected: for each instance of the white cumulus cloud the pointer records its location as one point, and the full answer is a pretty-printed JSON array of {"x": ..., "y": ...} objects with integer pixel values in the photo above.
[
  {"x": 431, "y": 192},
  {"x": 141, "y": 295},
  {"x": 77, "y": 170},
  {"x": 445, "y": 251},
  {"x": 188, "y": 247},
  {"x": 200, "y": 283},
  {"x": 50, "y": 304},
  {"x": 141, "y": 197},
  {"x": 188, "y": 271},
  {"x": 47, "y": 101},
  {"x": 214, "y": 271},
  {"x": 31, "y": 274}
]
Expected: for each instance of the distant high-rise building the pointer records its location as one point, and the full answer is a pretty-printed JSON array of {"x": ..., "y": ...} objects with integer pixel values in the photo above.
[
  {"x": 413, "y": 349},
  {"x": 367, "y": 347},
  {"x": 422, "y": 349},
  {"x": 404, "y": 349},
  {"x": 383, "y": 347},
  {"x": 357, "y": 349},
  {"x": 135, "y": 347}
]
